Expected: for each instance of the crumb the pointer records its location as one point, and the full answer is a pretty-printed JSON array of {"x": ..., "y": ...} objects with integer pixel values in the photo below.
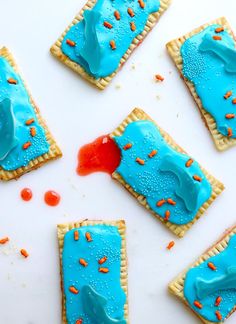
[
  {"x": 159, "y": 77},
  {"x": 133, "y": 67},
  {"x": 158, "y": 97},
  {"x": 118, "y": 86}
]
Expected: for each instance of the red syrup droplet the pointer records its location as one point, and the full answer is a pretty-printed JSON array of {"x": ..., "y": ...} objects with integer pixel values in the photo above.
[
  {"x": 102, "y": 155},
  {"x": 26, "y": 194},
  {"x": 52, "y": 198}
]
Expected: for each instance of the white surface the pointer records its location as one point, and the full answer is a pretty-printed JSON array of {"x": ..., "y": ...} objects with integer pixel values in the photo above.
[{"x": 76, "y": 114}]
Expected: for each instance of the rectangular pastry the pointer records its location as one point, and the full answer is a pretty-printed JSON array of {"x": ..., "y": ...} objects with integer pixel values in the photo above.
[
  {"x": 161, "y": 175},
  {"x": 93, "y": 272},
  {"x": 26, "y": 142},
  {"x": 104, "y": 34},
  {"x": 206, "y": 59},
  {"x": 208, "y": 287}
]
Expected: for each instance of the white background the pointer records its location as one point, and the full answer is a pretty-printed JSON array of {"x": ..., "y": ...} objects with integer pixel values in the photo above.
[{"x": 76, "y": 114}]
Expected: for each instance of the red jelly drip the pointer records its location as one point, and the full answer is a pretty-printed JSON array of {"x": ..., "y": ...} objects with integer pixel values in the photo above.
[
  {"x": 102, "y": 155},
  {"x": 26, "y": 194},
  {"x": 52, "y": 198}
]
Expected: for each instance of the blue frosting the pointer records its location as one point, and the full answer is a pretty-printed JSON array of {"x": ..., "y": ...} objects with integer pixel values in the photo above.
[
  {"x": 164, "y": 176},
  {"x": 210, "y": 65},
  {"x": 205, "y": 285},
  {"x": 15, "y": 110},
  {"x": 100, "y": 294},
  {"x": 92, "y": 48}
]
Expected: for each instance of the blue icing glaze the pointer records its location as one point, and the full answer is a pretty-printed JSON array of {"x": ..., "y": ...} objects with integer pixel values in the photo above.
[
  {"x": 92, "y": 38},
  {"x": 210, "y": 66},
  {"x": 14, "y": 112},
  {"x": 106, "y": 241},
  {"x": 205, "y": 285},
  {"x": 164, "y": 176}
]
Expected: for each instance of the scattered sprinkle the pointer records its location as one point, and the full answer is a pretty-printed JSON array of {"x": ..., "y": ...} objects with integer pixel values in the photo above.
[
  {"x": 33, "y": 131},
  {"x": 26, "y": 194},
  {"x": 218, "y": 301},
  {"x": 12, "y": 81},
  {"x": 211, "y": 266},
  {"x": 24, "y": 253},
  {"x": 73, "y": 290},
  {"x": 4, "y": 240},
  {"x": 104, "y": 270},
  {"x": 228, "y": 94},
  {"x": 127, "y": 146},
  {"x": 130, "y": 12},
  {"x": 70, "y": 42},
  {"x": 152, "y": 154},
  {"x": 79, "y": 321},
  {"x": 170, "y": 245},
  {"x": 102, "y": 260},
  {"x": 171, "y": 202},
  {"x": 218, "y": 315},
  {"x": 197, "y": 304},
  {"x": 217, "y": 38},
  {"x": 159, "y": 77},
  {"x": 234, "y": 101},
  {"x": 26, "y": 145},
  {"x": 29, "y": 121},
  {"x": 113, "y": 44},
  {"x": 132, "y": 26},
  {"x": 161, "y": 202},
  {"x": 230, "y": 132},
  {"x": 197, "y": 178},
  {"x": 140, "y": 161},
  {"x": 88, "y": 237},
  {"x": 167, "y": 215},
  {"x": 229, "y": 116},
  {"x": 83, "y": 262},
  {"x": 117, "y": 15},
  {"x": 189, "y": 163},
  {"x": 107, "y": 24},
  {"x": 219, "y": 29},
  {"x": 141, "y": 3},
  {"x": 76, "y": 235}
]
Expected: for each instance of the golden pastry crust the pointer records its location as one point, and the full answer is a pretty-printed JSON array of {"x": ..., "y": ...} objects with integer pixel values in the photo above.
[
  {"x": 62, "y": 229},
  {"x": 101, "y": 83},
  {"x": 221, "y": 142},
  {"x": 176, "y": 287},
  {"x": 54, "y": 151},
  {"x": 217, "y": 186}
]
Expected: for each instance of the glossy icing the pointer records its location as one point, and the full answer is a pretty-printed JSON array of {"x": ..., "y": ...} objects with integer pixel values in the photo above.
[
  {"x": 209, "y": 63},
  {"x": 205, "y": 285},
  {"x": 163, "y": 176},
  {"x": 98, "y": 48},
  {"x": 15, "y": 110},
  {"x": 100, "y": 294}
]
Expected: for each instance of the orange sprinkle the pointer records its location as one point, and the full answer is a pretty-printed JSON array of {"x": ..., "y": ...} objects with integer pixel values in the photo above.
[
  {"x": 211, "y": 266},
  {"x": 159, "y": 77},
  {"x": 228, "y": 94},
  {"x": 83, "y": 262},
  {"x": 12, "y": 81},
  {"x": 104, "y": 270},
  {"x": 197, "y": 178},
  {"x": 76, "y": 235},
  {"x": 219, "y": 29},
  {"x": 217, "y": 38},
  {"x": 218, "y": 301},
  {"x": 140, "y": 161},
  {"x": 4, "y": 240},
  {"x": 70, "y": 42},
  {"x": 161, "y": 202},
  {"x": 141, "y": 3},
  {"x": 218, "y": 315},
  {"x": 171, "y": 202},
  {"x": 189, "y": 163},
  {"x": 130, "y": 12},
  {"x": 107, "y": 24},
  {"x": 167, "y": 215},
  {"x": 88, "y": 237},
  {"x": 29, "y": 121},
  {"x": 26, "y": 145},
  {"x": 234, "y": 101},
  {"x": 152, "y": 154},
  {"x": 229, "y": 116},
  {"x": 170, "y": 245},
  {"x": 117, "y": 15},
  {"x": 73, "y": 290},
  {"x": 79, "y": 321},
  {"x": 102, "y": 260},
  {"x": 197, "y": 304},
  {"x": 113, "y": 44},
  {"x": 33, "y": 131},
  {"x": 127, "y": 146},
  {"x": 132, "y": 26},
  {"x": 230, "y": 132},
  {"x": 24, "y": 253}
]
